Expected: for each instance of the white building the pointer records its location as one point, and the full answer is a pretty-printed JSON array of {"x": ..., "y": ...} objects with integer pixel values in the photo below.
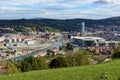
[
  {"x": 112, "y": 43},
  {"x": 32, "y": 42},
  {"x": 2, "y": 38},
  {"x": 87, "y": 41},
  {"x": 3, "y": 54},
  {"x": 18, "y": 53}
]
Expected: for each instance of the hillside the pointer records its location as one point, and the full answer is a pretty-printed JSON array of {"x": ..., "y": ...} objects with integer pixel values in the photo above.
[
  {"x": 66, "y": 25},
  {"x": 106, "y": 71}
]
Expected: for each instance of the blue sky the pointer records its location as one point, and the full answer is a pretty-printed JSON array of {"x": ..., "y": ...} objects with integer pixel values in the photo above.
[{"x": 59, "y": 9}]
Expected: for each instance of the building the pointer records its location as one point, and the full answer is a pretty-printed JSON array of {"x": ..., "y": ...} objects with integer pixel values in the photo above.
[
  {"x": 82, "y": 28},
  {"x": 1, "y": 44},
  {"x": 87, "y": 41},
  {"x": 32, "y": 42},
  {"x": 2, "y": 39},
  {"x": 112, "y": 44}
]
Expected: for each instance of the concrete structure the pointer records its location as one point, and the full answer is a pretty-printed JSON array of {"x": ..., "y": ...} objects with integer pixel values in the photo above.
[
  {"x": 18, "y": 53},
  {"x": 32, "y": 42},
  {"x": 87, "y": 41},
  {"x": 3, "y": 54}
]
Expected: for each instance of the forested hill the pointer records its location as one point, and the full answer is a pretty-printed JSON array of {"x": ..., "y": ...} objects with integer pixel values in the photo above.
[{"x": 67, "y": 25}]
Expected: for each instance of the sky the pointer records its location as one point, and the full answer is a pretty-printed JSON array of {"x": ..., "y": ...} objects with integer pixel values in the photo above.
[{"x": 59, "y": 9}]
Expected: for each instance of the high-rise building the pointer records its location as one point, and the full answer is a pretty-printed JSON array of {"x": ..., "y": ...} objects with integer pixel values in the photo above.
[{"x": 82, "y": 28}]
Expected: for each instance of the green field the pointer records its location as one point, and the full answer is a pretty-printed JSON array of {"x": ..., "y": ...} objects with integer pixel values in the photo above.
[{"x": 105, "y": 71}]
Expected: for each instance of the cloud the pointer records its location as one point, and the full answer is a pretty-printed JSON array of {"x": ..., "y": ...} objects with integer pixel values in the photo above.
[
  {"x": 26, "y": 2},
  {"x": 104, "y": 2},
  {"x": 59, "y": 8}
]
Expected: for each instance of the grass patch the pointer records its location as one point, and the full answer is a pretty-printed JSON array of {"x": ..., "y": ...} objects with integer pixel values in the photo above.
[{"x": 105, "y": 71}]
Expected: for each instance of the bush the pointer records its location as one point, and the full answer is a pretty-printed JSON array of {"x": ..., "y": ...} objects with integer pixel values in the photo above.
[
  {"x": 58, "y": 62},
  {"x": 39, "y": 63},
  {"x": 71, "y": 60},
  {"x": 117, "y": 53},
  {"x": 25, "y": 66},
  {"x": 79, "y": 58},
  {"x": 32, "y": 63},
  {"x": 69, "y": 46},
  {"x": 11, "y": 68}
]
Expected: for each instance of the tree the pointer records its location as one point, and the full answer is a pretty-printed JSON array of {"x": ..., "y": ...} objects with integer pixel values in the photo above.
[
  {"x": 12, "y": 68},
  {"x": 70, "y": 60},
  {"x": 25, "y": 66},
  {"x": 58, "y": 62},
  {"x": 39, "y": 63},
  {"x": 32, "y": 63},
  {"x": 69, "y": 46},
  {"x": 79, "y": 58},
  {"x": 117, "y": 53}
]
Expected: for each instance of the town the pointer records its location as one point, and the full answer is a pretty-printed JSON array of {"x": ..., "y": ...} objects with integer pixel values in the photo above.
[
  {"x": 99, "y": 40},
  {"x": 59, "y": 39},
  {"x": 14, "y": 45}
]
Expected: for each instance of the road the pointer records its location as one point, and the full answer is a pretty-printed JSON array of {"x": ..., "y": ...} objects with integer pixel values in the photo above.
[{"x": 56, "y": 44}]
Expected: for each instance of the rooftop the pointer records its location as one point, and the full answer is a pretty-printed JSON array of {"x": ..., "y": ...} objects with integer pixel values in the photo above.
[{"x": 88, "y": 38}]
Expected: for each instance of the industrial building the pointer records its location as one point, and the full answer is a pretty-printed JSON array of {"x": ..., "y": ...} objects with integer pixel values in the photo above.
[{"x": 87, "y": 41}]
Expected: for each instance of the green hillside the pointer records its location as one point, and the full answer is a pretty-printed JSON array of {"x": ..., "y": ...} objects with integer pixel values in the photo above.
[
  {"x": 105, "y": 71},
  {"x": 63, "y": 25}
]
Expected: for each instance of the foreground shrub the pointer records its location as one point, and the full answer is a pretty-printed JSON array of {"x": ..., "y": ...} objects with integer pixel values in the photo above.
[
  {"x": 58, "y": 62},
  {"x": 79, "y": 58},
  {"x": 32, "y": 63},
  {"x": 116, "y": 53},
  {"x": 11, "y": 68}
]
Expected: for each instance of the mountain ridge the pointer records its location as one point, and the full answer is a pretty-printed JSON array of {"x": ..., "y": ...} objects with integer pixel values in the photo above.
[{"x": 64, "y": 25}]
